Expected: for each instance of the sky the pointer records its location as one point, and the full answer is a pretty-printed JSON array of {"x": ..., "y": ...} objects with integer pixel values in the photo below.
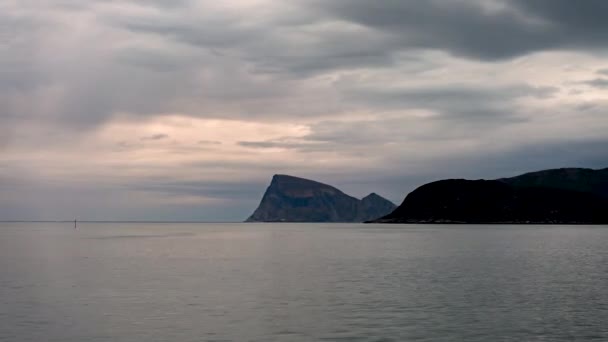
[{"x": 183, "y": 110}]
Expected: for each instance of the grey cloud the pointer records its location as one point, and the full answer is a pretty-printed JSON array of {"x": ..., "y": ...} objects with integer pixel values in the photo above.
[
  {"x": 262, "y": 144},
  {"x": 311, "y": 37},
  {"x": 86, "y": 4},
  {"x": 85, "y": 89},
  {"x": 164, "y": 4},
  {"x": 586, "y": 106},
  {"x": 302, "y": 145},
  {"x": 287, "y": 44},
  {"x": 210, "y": 30},
  {"x": 460, "y": 27},
  {"x": 586, "y": 18},
  {"x": 602, "y": 72},
  {"x": 218, "y": 190},
  {"x": 379, "y": 132},
  {"x": 159, "y": 136},
  {"x": 470, "y": 29},
  {"x": 575, "y": 92},
  {"x": 453, "y": 93},
  {"x": 461, "y": 112},
  {"x": 281, "y": 65},
  {"x": 161, "y": 60},
  {"x": 15, "y": 81},
  {"x": 209, "y": 142},
  {"x": 355, "y": 138},
  {"x": 477, "y": 104},
  {"x": 237, "y": 62},
  {"x": 601, "y": 83}
]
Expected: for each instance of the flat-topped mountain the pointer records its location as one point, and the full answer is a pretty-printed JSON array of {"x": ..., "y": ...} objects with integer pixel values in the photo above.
[
  {"x": 294, "y": 199},
  {"x": 567, "y": 196}
]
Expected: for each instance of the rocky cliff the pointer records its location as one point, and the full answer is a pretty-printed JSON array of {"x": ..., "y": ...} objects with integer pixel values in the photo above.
[{"x": 294, "y": 199}]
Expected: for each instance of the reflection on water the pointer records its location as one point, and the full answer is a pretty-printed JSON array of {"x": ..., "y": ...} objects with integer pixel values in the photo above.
[{"x": 301, "y": 282}]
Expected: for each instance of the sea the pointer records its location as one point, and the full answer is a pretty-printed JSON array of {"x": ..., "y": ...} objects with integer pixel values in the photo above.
[{"x": 192, "y": 282}]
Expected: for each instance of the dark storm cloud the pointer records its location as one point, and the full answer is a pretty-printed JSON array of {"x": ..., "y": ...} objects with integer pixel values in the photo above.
[
  {"x": 470, "y": 29},
  {"x": 311, "y": 37},
  {"x": 462, "y": 28},
  {"x": 587, "y": 18}
]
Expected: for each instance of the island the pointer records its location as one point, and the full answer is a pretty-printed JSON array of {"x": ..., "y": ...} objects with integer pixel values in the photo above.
[{"x": 294, "y": 199}]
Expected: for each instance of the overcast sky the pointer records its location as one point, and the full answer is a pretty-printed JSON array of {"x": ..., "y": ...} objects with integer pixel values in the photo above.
[{"x": 183, "y": 110}]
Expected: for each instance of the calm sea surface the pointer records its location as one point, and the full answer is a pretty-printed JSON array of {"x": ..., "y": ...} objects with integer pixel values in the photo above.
[{"x": 302, "y": 282}]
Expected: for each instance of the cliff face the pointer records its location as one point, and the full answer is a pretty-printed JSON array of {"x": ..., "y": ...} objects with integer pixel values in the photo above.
[
  {"x": 552, "y": 196},
  {"x": 293, "y": 199}
]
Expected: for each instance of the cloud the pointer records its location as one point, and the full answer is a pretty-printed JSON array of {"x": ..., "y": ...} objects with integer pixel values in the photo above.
[
  {"x": 158, "y": 136},
  {"x": 479, "y": 30},
  {"x": 452, "y": 101},
  {"x": 215, "y": 190},
  {"x": 266, "y": 144},
  {"x": 367, "y": 95},
  {"x": 601, "y": 83},
  {"x": 209, "y": 142}
]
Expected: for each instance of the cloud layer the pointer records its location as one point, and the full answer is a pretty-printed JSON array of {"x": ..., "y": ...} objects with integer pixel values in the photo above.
[{"x": 183, "y": 110}]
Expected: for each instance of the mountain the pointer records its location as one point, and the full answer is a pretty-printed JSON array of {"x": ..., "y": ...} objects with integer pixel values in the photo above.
[
  {"x": 374, "y": 206},
  {"x": 294, "y": 199},
  {"x": 551, "y": 196},
  {"x": 577, "y": 179}
]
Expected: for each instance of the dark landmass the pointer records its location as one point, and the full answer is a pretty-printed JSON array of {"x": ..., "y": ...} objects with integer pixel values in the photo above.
[
  {"x": 561, "y": 196},
  {"x": 576, "y": 179},
  {"x": 293, "y": 199}
]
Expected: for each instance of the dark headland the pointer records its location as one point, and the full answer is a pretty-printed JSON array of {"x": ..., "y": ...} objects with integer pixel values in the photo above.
[
  {"x": 557, "y": 196},
  {"x": 294, "y": 199}
]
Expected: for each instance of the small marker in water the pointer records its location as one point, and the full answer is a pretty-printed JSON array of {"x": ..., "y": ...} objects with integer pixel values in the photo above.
[{"x": 74, "y": 223}]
